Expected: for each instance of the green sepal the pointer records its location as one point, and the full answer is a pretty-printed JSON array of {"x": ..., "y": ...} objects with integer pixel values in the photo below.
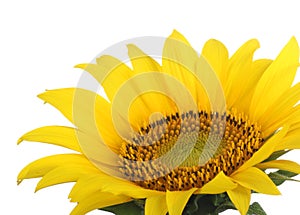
[
  {"x": 197, "y": 205},
  {"x": 276, "y": 155},
  {"x": 256, "y": 209},
  {"x": 208, "y": 204},
  {"x": 281, "y": 176},
  {"x": 128, "y": 208}
]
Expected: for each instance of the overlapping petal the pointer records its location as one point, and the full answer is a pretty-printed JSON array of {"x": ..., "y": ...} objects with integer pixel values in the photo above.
[{"x": 260, "y": 89}]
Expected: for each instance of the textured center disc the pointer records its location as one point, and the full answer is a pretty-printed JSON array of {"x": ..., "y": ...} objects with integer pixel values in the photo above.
[{"x": 185, "y": 151}]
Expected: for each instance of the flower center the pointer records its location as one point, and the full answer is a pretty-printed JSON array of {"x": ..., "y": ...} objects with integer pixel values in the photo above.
[{"x": 180, "y": 152}]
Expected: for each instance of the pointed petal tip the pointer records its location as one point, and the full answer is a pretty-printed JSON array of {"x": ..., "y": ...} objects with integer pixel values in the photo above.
[
  {"x": 81, "y": 66},
  {"x": 294, "y": 40},
  {"x": 20, "y": 140},
  {"x": 175, "y": 31},
  {"x": 130, "y": 45},
  {"x": 176, "y": 35},
  {"x": 133, "y": 50},
  {"x": 19, "y": 181}
]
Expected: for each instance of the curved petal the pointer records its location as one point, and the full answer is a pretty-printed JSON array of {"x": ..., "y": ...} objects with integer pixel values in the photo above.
[
  {"x": 265, "y": 151},
  {"x": 86, "y": 110},
  {"x": 156, "y": 205},
  {"x": 239, "y": 68},
  {"x": 258, "y": 67},
  {"x": 289, "y": 142},
  {"x": 179, "y": 60},
  {"x": 146, "y": 104},
  {"x": 283, "y": 104},
  {"x": 87, "y": 185},
  {"x": 240, "y": 197},
  {"x": 98, "y": 200},
  {"x": 216, "y": 54},
  {"x": 277, "y": 79},
  {"x": 280, "y": 164},
  {"x": 220, "y": 184},
  {"x": 289, "y": 117},
  {"x": 57, "y": 135},
  {"x": 255, "y": 179},
  {"x": 110, "y": 72},
  {"x": 140, "y": 61},
  {"x": 64, "y": 174},
  {"x": 44, "y": 165},
  {"x": 176, "y": 200}
]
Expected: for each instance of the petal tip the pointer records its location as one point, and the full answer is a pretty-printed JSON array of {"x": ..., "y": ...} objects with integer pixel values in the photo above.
[
  {"x": 20, "y": 140},
  {"x": 81, "y": 66}
]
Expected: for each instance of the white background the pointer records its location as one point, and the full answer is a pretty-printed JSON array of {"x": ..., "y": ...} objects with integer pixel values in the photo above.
[{"x": 40, "y": 42}]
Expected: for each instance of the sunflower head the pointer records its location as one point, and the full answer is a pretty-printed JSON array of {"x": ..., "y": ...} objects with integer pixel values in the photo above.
[{"x": 193, "y": 124}]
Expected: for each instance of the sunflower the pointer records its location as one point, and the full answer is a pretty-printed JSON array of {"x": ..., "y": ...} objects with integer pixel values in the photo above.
[{"x": 192, "y": 125}]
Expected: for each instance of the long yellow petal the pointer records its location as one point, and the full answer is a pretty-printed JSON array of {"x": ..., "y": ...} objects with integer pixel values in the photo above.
[
  {"x": 255, "y": 179},
  {"x": 277, "y": 79},
  {"x": 140, "y": 61},
  {"x": 146, "y": 103},
  {"x": 289, "y": 117},
  {"x": 64, "y": 174},
  {"x": 57, "y": 135},
  {"x": 220, "y": 184},
  {"x": 240, "y": 197},
  {"x": 86, "y": 110},
  {"x": 44, "y": 165},
  {"x": 281, "y": 109},
  {"x": 179, "y": 60},
  {"x": 87, "y": 185},
  {"x": 156, "y": 205},
  {"x": 265, "y": 151},
  {"x": 177, "y": 200},
  {"x": 257, "y": 69},
  {"x": 217, "y": 55},
  {"x": 294, "y": 129},
  {"x": 289, "y": 142},
  {"x": 210, "y": 93},
  {"x": 110, "y": 72},
  {"x": 239, "y": 68},
  {"x": 98, "y": 200},
  {"x": 280, "y": 164}
]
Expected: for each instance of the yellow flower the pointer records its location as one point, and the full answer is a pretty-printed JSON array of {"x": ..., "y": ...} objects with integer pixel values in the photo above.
[{"x": 192, "y": 125}]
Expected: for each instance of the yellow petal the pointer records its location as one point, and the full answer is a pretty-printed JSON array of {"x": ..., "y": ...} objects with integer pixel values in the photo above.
[
  {"x": 258, "y": 67},
  {"x": 210, "y": 94},
  {"x": 282, "y": 105},
  {"x": 265, "y": 151},
  {"x": 177, "y": 200},
  {"x": 280, "y": 164},
  {"x": 179, "y": 60},
  {"x": 277, "y": 79},
  {"x": 148, "y": 93},
  {"x": 239, "y": 68},
  {"x": 294, "y": 129},
  {"x": 146, "y": 104},
  {"x": 289, "y": 117},
  {"x": 64, "y": 174},
  {"x": 44, "y": 165},
  {"x": 98, "y": 200},
  {"x": 156, "y": 205},
  {"x": 289, "y": 142},
  {"x": 217, "y": 56},
  {"x": 87, "y": 185},
  {"x": 240, "y": 197},
  {"x": 141, "y": 62},
  {"x": 220, "y": 184},
  {"x": 110, "y": 72},
  {"x": 255, "y": 179},
  {"x": 87, "y": 110},
  {"x": 57, "y": 135}
]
